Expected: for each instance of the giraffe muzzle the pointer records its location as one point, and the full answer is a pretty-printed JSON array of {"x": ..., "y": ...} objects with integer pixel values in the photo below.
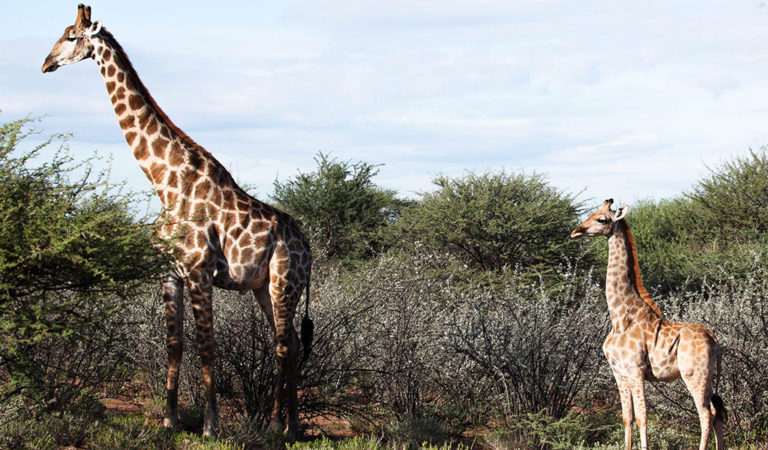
[
  {"x": 49, "y": 65},
  {"x": 577, "y": 234}
]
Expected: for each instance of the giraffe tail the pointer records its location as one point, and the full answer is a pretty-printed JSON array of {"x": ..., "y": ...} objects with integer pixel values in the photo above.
[
  {"x": 307, "y": 329},
  {"x": 721, "y": 414}
]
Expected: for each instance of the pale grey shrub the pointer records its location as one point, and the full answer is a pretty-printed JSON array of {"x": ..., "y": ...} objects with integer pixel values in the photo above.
[
  {"x": 245, "y": 350},
  {"x": 393, "y": 341},
  {"x": 146, "y": 348},
  {"x": 540, "y": 352},
  {"x": 388, "y": 323}
]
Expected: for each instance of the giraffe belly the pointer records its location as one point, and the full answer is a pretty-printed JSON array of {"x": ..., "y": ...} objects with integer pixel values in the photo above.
[
  {"x": 239, "y": 277},
  {"x": 663, "y": 367},
  {"x": 663, "y": 352}
]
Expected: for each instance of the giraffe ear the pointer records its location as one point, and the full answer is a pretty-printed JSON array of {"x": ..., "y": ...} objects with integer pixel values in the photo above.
[
  {"x": 621, "y": 213},
  {"x": 95, "y": 28}
]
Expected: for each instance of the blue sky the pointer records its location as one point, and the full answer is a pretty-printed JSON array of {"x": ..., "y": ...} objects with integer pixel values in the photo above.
[{"x": 619, "y": 99}]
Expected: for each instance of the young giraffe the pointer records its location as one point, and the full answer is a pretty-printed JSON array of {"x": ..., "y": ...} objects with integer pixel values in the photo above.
[
  {"x": 642, "y": 345},
  {"x": 223, "y": 236}
]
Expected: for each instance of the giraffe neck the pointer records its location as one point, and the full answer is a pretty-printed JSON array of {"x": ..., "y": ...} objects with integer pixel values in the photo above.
[
  {"x": 162, "y": 150},
  {"x": 624, "y": 290}
]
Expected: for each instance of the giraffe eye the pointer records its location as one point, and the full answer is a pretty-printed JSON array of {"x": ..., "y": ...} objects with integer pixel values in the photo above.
[
  {"x": 602, "y": 220},
  {"x": 71, "y": 38}
]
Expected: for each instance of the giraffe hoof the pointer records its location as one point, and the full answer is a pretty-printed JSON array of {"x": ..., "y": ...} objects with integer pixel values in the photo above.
[
  {"x": 209, "y": 425},
  {"x": 170, "y": 421}
]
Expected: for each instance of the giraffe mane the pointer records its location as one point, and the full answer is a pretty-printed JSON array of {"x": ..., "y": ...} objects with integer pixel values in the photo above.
[
  {"x": 120, "y": 53},
  {"x": 139, "y": 85},
  {"x": 635, "y": 273}
]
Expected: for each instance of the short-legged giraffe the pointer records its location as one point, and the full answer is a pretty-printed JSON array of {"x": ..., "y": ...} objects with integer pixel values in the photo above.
[
  {"x": 223, "y": 236},
  {"x": 642, "y": 345}
]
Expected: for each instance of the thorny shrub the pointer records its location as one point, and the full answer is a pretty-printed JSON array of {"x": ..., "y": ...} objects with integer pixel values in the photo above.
[
  {"x": 538, "y": 351},
  {"x": 393, "y": 343}
]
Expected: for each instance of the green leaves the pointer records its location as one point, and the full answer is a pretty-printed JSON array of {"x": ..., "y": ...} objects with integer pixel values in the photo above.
[
  {"x": 70, "y": 251},
  {"x": 492, "y": 221},
  {"x": 734, "y": 198},
  {"x": 483, "y": 223},
  {"x": 339, "y": 208},
  {"x": 710, "y": 233}
]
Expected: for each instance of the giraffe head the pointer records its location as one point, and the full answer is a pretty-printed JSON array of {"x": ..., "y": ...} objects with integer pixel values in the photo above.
[
  {"x": 75, "y": 44},
  {"x": 601, "y": 223}
]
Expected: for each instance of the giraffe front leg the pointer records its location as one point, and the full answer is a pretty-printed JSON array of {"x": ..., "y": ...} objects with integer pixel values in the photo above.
[
  {"x": 200, "y": 296},
  {"x": 627, "y": 409},
  {"x": 173, "y": 295},
  {"x": 638, "y": 401}
]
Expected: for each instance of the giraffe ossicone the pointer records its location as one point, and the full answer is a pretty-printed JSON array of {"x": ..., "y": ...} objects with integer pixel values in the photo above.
[
  {"x": 642, "y": 345},
  {"x": 223, "y": 236}
]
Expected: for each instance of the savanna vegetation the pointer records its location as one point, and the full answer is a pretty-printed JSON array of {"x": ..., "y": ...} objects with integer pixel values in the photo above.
[{"x": 463, "y": 318}]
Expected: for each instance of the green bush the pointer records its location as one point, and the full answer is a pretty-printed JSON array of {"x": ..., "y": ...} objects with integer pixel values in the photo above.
[
  {"x": 539, "y": 430},
  {"x": 340, "y": 208},
  {"x": 485, "y": 223},
  {"x": 733, "y": 199},
  {"x": 71, "y": 252},
  {"x": 717, "y": 228},
  {"x": 413, "y": 431},
  {"x": 363, "y": 443},
  {"x": 45, "y": 431}
]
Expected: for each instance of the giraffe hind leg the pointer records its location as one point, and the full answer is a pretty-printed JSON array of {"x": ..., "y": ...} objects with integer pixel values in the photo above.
[
  {"x": 264, "y": 298},
  {"x": 286, "y": 354},
  {"x": 291, "y": 379},
  {"x": 285, "y": 391},
  {"x": 706, "y": 418},
  {"x": 265, "y": 301},
  {"x": 719, "y": 411},
  {"x": 697, "y": 369},
  {"x": 276, "y": 420},
  {"x": 700, "y": 388}
]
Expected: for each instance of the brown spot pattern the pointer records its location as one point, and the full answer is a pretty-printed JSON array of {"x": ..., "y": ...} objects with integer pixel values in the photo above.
[
  {"x": 158, "y": 147},
  {"x": 140, "y": 150},
  {"x": 256, "y": 239}
]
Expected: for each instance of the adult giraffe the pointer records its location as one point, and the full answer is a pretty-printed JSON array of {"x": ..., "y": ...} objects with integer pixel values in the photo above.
[
  {"x": 642, "y": 345},
  {"x": 223, "y": 237}
]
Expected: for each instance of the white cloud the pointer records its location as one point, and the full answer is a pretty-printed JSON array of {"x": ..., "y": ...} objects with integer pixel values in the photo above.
[{"x": 621, "y": 97}]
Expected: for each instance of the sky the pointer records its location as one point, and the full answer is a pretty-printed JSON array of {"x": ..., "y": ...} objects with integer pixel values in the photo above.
[{"x": 630, "y": 100}]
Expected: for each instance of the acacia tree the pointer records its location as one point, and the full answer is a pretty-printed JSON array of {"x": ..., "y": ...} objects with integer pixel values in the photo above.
[
  {"x": 494, "y": 221},
  {"x": 71, "y": 253},
  {"x": 712, "y": 232},
  {"x": 340, "y": 208}
]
